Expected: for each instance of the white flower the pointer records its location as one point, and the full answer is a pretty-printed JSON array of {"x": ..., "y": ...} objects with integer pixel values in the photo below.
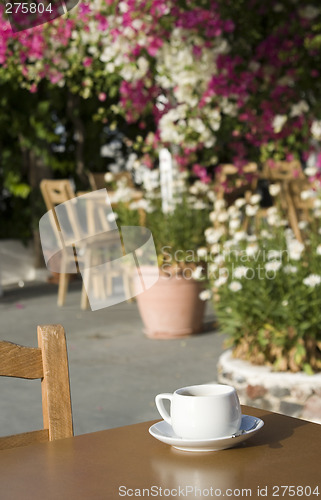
[
  {"x": 316, "y": 130},
  {"x": 317, "y": 203},
  {"x": 278, "y": 123},
  {"x": 213, "y": 235},
  {"x": 251, "y": 250},
  {"x": 272, "y": 211},
  {"x": 240, "y": 272},
  {"x": 285, "y": 303},
  {"x": 109, "y": 177},
  {"x": 199, "y": 205},
  {"x": 274, "y": 254},
  {"x": 213, "y": 216},
  {"x": 290, "y": 269},
  {"x": 234, "y": 224},
  {"x": 133, "y": 205},
  {"x": 205, "y": 295},
  {"x": 302, "y": 224},
  {"x": 220, "y": 281},
  {"x": 251, "y": 210},
  {"x": 310, "y": 171},
  {"x": 233, "y": 212},
  {"x": 295, "y": 249},
  {"x": 318, "y": 250},
  {"x": 219, "y": 205},
  {"x": 273, "y": 265},
  {"x": 251, "y": 238},
  {"x": 111, "y": 217},
  {"x": 309, "y": 12},
  {"x": 312, "y": 280},
  {"x": 222, "y": 217},
  {"x": 212, "y": 268},
  {"x": 255, "y": 199},
  {"x": 274, "y": 189},
  {"x": 235, "y": 286},
  {"x": 240, "y": 202},
  {"x": 228, "y": 244},
  {"x": 202, "y": 252},
  {"x": 265, "y": 234},
  {"x": 299, "y": 108},
  {"x": 240, "y": 235},
  {"x": 273, "y": 220},
  {"x": 308, "y": 194},
  {"x": 197, "y": 273},
  {"x": 289, "y": 235},
  {"x": 211, "y": 196},
  {"x": 219, "y": 259},
  {"x": 215, "y": 249}
]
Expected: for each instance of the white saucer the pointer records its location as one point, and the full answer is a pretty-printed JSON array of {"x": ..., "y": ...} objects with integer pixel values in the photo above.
[{"x": 164, "y": 433}]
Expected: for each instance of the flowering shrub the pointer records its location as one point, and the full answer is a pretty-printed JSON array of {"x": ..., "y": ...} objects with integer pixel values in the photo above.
[
  {"x": 266, "y": 285},
  {"x": 222, "y": 81}
]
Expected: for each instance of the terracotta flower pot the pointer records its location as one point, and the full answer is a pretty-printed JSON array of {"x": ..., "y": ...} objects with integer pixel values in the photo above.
[{"x": 171, "y": 308}]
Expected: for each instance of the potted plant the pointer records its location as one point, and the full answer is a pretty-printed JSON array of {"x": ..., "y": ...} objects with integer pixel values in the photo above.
[
  {"x": 266, "y": 286},
  {"x": 172, "y": 307}
]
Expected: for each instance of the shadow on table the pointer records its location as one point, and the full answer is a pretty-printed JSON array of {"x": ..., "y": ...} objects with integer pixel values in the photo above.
[{"x": 276, "y": 428}]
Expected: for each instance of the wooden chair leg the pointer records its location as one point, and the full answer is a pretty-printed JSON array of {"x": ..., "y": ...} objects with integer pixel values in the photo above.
[
  {"x": 63, "y": 282},
  {"x": 292, "y": 215},
  {"x": 84, "y": 302},
  {"x": 62, "y": 289}
]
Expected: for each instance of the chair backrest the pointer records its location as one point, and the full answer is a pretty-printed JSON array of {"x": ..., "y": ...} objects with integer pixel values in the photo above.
[
  {"x": 283, "y": 170},
  {"x": 48, "y": 362},
  {"x": 97, "y": 180},
  {"x": 54, "y": 193},
  {"x": 239, "y": 185}
]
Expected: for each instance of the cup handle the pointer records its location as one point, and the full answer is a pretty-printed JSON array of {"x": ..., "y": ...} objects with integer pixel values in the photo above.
[{"x": 161, "y": 408}]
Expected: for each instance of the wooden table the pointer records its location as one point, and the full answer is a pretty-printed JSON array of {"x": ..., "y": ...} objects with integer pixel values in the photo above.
[{"x": 127, "y": 463}]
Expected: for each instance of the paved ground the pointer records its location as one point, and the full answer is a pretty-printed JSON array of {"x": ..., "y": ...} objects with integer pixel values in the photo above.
[{"x": 115, "y": 371}]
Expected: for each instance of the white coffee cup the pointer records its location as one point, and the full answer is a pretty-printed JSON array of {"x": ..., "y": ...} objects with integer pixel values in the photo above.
[{"x": 202, "y": 411}]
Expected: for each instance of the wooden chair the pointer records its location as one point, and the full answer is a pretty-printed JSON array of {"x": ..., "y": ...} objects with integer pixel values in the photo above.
[
  {"x": 55, "y": 192},
  {"x": 290, "y": 176},
  {"x": 59, "y": 191},
  {"x": 48, "y": 362},
  {"x": 229, "y": 174}
]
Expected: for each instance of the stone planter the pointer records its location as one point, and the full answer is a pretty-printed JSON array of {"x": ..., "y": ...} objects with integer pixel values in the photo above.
[
  {"x": 171, "y": 308},
  {"x": 293, "y": 394}
]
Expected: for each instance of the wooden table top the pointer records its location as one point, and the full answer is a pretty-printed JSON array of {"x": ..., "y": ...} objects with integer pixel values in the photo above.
[{"x": 128, "y": 462}]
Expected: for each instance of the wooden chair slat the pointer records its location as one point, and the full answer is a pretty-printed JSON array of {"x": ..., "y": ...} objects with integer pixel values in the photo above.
[
  {"x": 19, "y": 361},
  {"x": 24, "y": 439},
  {"x": 56, "y": 402}
]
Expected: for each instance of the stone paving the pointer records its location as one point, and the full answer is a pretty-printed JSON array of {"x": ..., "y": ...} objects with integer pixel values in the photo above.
[{"x": 115, "y": 371}]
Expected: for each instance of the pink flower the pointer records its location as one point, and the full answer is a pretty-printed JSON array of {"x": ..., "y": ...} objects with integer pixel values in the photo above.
[
  {"x": 87, "y": 62},
  {"x": 102, "y": 96}
]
